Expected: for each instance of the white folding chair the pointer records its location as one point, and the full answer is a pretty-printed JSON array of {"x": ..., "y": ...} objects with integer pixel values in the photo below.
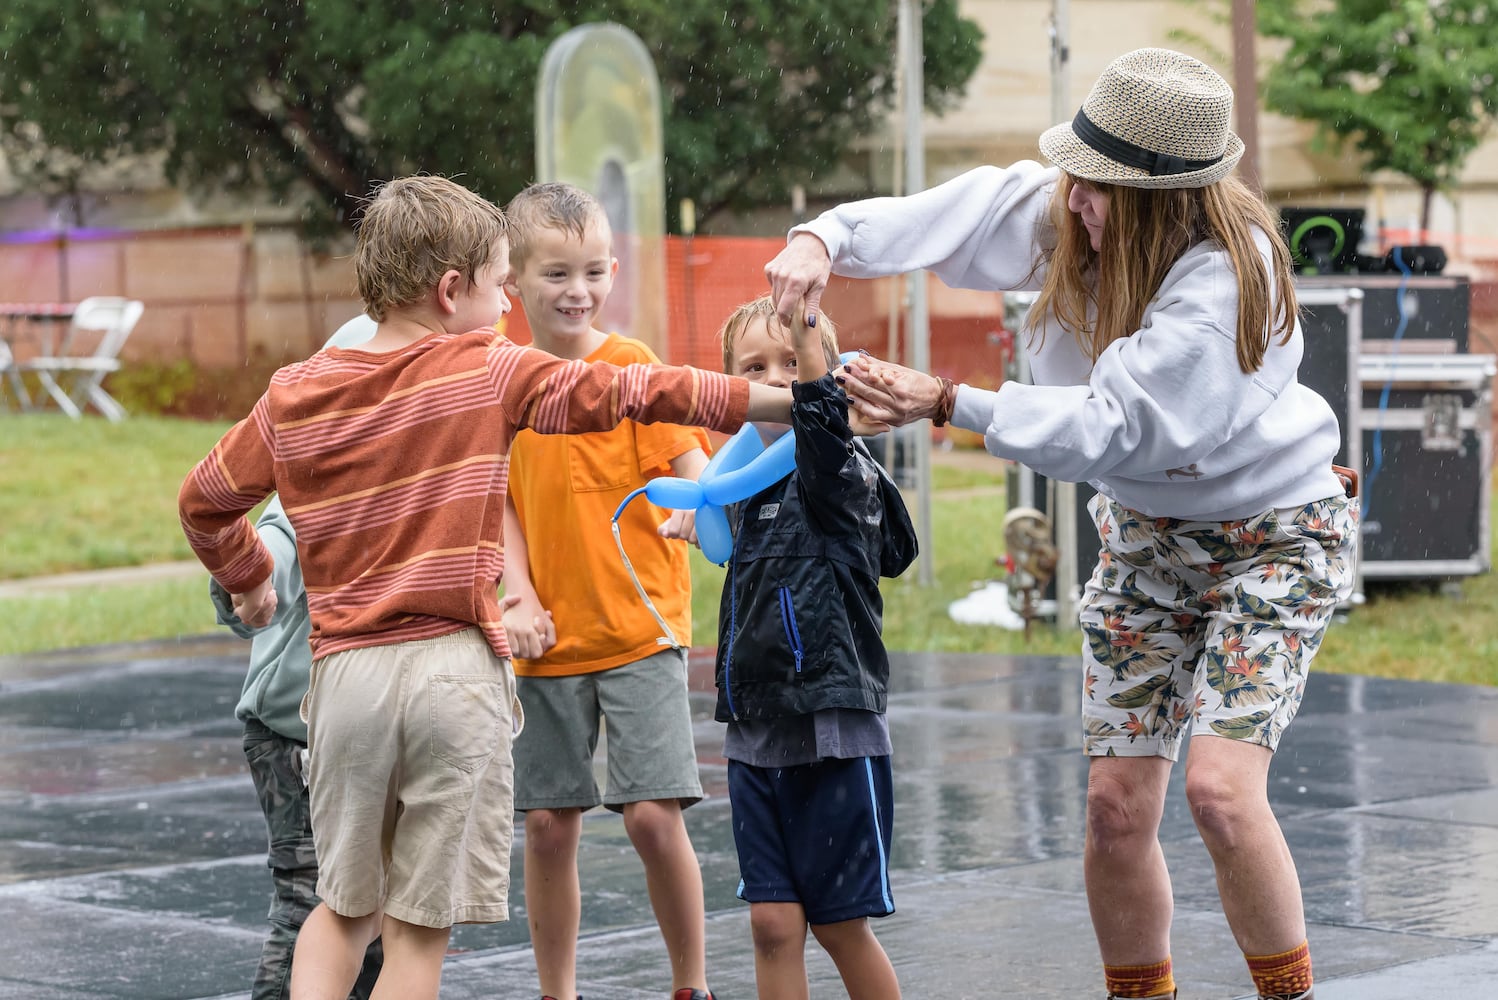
[
  {"x": 76, "y": 380},
  {"x": 10, "y": 373}
]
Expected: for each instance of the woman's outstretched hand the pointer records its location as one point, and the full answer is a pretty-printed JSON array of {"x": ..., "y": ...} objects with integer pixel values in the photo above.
[
  {"x": 886, "y": 393},
  {"x": 798, "y": 272}
]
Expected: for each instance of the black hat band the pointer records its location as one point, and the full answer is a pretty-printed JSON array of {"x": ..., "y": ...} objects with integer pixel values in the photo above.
[{"x": 1131, "y": 155}]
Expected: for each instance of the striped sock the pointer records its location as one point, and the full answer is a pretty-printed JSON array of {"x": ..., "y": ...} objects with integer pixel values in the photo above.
[
  {"x": 1140, "y": 980},
  {"x": 1287, "y": 974}
]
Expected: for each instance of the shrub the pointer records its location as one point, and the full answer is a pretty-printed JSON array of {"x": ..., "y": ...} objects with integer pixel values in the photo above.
[{"x": 183, "y": 389}]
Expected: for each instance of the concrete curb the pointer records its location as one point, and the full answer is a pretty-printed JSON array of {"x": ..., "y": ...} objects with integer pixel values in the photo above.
[{"x": 124, "y": 576}]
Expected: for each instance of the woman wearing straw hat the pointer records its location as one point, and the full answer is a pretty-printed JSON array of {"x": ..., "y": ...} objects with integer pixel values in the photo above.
[{"x": 1164, "y": 346}]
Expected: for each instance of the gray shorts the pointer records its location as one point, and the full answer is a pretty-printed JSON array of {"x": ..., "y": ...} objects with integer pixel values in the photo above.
[{"x": 651, "y": 754}]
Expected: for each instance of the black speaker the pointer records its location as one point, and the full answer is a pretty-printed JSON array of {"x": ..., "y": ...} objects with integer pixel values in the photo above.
[
  {"x": 1323, "y": 240},
  {"x": 1416, "y": 259}
]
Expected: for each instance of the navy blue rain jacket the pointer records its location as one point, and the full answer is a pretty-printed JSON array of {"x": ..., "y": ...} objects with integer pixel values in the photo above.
[{"x": 800, "y": 623}]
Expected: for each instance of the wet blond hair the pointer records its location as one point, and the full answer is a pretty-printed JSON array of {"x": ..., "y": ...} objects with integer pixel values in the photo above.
[
  {"x": 1146, "y": 233},
  {"x": 738, "y": 321},
  {"x": 553, "y": 205},
  {"x": 413, "y": 231}
]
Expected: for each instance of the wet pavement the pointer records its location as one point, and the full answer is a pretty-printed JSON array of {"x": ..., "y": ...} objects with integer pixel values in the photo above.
[{"x": 132, "y": 852}]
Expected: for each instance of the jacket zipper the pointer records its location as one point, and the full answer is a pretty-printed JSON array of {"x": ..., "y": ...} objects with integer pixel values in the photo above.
[
  {"x": 733, "y": 626},
  {"x": 788, "y": 620}
]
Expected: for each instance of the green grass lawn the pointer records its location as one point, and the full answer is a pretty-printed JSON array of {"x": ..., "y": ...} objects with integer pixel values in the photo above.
[
  {"x": 81, "y": 495},
  {"x": 92, "y": 495}
]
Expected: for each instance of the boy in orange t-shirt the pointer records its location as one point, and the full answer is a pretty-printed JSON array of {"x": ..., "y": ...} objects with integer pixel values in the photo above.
[{"x": 586, "y": 647}]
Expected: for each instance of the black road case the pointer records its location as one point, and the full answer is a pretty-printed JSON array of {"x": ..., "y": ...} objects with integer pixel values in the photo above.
[
  {"x": 1427, "y": 452},
  {"x": 1436, "y": 310}
]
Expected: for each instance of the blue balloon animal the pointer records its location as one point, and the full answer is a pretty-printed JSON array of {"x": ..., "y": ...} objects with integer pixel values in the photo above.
[{"x": 737, "y": 471}]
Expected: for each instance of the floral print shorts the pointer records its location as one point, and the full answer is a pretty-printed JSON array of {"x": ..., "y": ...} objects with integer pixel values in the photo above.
[{"x": 1210, "y": 624}]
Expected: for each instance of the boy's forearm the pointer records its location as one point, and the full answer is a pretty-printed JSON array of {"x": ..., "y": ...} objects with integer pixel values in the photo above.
[
  {"x": 689, "y": 464},
  {"x": 225, "y": 541},
  {"x": 769, "y": 403},
  {"x": 215, "y": 498},
  {"x": 515, "y": 576},
  {"x": 811, "y": 363},
  {"x": 550, "y": 396}
]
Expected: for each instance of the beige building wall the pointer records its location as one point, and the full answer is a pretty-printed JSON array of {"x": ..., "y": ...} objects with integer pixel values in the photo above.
[
  {"x": 1009, "y": 103},
  {"x": 1009, "y": 100},
  {"x": 283, "y": 297}
]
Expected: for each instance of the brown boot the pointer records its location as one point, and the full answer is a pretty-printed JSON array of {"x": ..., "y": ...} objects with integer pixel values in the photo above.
[{"x": 1159, "y": 996}]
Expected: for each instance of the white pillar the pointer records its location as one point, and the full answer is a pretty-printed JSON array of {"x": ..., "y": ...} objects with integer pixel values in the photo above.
[
  {"x": 1061, "y": 108},
  {"x": 912, "y": 62}
]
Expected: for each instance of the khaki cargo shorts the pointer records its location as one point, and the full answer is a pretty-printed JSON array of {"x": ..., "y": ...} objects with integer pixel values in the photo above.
[{"x": 412, "y": 783}]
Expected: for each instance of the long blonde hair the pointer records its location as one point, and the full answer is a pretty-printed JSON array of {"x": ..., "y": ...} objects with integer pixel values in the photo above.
[{"x": 1146, "y": 233}]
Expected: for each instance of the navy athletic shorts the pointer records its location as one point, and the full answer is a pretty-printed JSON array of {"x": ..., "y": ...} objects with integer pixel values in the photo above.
[{"x": 815, "y": 834}]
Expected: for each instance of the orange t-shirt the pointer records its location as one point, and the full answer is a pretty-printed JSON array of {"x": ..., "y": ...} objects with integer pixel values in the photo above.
[{"x": 566, "y": 488}]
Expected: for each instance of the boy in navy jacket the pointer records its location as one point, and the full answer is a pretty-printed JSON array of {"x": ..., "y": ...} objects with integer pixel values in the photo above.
[{"x": 802, "y": 673}]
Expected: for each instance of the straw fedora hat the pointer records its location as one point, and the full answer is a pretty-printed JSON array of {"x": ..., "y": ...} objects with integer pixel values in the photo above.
[{"x": 1154, "y": 119}]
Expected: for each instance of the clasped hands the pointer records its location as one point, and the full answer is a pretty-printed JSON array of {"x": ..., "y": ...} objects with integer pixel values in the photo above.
[{"x": 889, "y": 395}]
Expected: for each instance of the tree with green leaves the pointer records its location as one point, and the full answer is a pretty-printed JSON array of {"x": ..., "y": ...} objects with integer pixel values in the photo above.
[
  {"x": 1412, "y": 85},
  {"x": 314, "y": 101}
]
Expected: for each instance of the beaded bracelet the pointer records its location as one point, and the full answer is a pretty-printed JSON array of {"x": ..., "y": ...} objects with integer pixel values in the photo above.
[{"x": 946, "y": 402}]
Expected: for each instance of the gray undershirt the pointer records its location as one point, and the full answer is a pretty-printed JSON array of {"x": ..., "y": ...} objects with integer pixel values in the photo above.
[{"x": 843, "y": 733}]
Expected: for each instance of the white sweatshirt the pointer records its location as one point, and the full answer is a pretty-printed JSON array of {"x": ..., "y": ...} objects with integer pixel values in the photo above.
[{"x": 1164, "y": 422}]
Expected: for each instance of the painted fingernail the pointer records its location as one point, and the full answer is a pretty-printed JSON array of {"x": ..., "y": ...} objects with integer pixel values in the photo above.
[
  {"x": 811, "y": 319},
  {"x": 839, "y": 380}
]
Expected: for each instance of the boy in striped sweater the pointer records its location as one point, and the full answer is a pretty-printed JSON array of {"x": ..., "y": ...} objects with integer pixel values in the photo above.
[{"x": 391, "y": 463}]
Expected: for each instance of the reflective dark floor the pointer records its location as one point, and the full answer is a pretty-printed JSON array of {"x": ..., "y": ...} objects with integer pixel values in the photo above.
[{"x": 132, "y": 850}]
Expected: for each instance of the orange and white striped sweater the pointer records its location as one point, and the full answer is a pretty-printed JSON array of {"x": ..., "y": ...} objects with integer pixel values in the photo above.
[{"x": 392, "y": 469}]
